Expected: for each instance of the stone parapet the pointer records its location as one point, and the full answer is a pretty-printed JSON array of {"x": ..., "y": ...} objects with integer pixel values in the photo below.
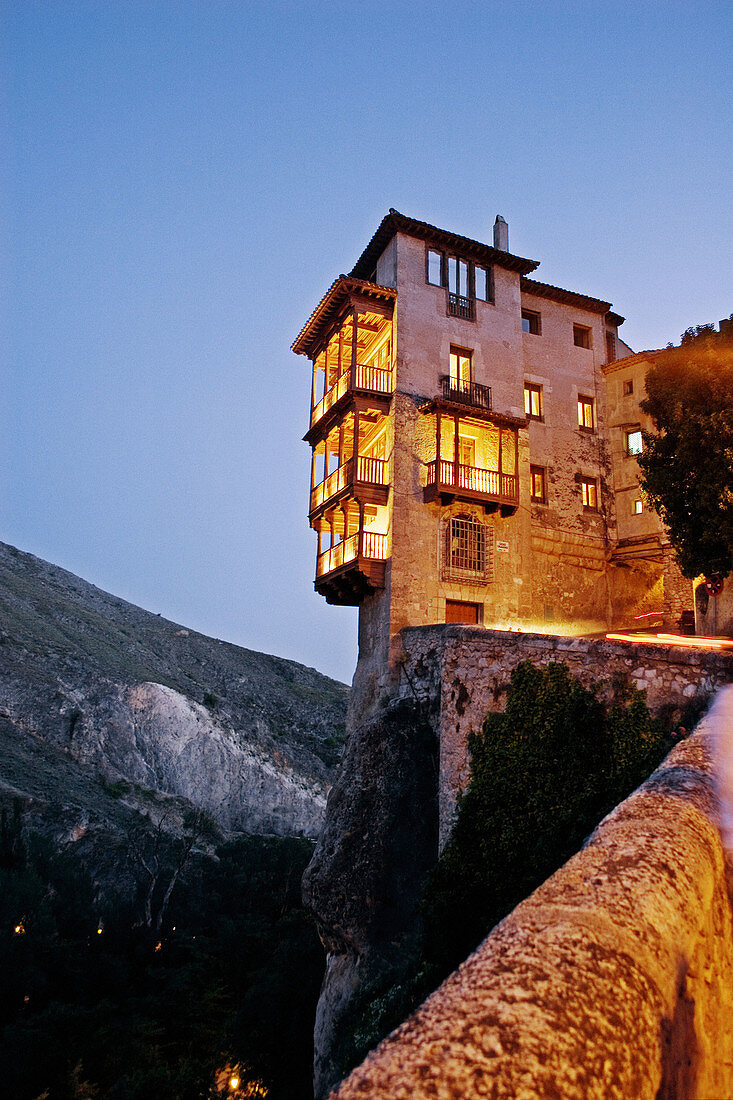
[{"x": 613, "y": 980}]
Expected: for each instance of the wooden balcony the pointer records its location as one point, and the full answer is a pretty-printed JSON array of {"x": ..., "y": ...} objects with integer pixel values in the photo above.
[
  {"x": 461, "y": 392},
  {"x": 455, "y": 481},
  {"x": 366, "y": 480},
  {"x": 360, "y": 379},
  {"x": 350, "y": 570}
]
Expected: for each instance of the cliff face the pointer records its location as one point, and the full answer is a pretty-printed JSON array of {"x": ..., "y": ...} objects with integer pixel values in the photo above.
[
  {"x": 133, "y": 699},
  {"x": 379, "y": 840}
]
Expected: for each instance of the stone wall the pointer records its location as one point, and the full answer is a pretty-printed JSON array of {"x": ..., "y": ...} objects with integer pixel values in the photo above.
[
  {"x": 461, "y": 673},
  {"x": 613, "y": 980}
]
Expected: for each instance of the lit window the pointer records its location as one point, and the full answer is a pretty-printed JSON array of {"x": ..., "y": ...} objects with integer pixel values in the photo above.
[
  {"x": 460, "y": 365},
  {"x": 586, "y": 412},
  {"x": 435, "y": 267},
  {"x": 628, "y": 387},
  {"x": 638, "y": 507},
  {"x": 634, "y": 443},
  {"x": 468, "y": 550},
  {"x": 531, "y": 321},
  {"x": 582, "y": 336},
  {"x": 589, "y": 493},
  {"x": 533, "y": 404},
  {"x": 538, "y": 484}
]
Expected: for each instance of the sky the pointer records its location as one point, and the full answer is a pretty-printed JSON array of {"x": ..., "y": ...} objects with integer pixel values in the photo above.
[{"x": 184, "y": 180}]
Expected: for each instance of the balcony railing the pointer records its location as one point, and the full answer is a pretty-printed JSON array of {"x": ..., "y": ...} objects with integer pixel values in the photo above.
[
  {"x": 459, "y": 306},
  {"x": 486, "y": 483},
  {"x": 366, "y": 378},
  {"x": 370, "y": 471},
  {"x": 466, "y": 393},
  {"x": 373, "y": 547}
]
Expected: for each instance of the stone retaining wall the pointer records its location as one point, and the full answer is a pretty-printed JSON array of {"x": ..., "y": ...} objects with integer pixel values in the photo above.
[
  {"x": 613, "y": 980},
  {"x": 460, "y": 673}
]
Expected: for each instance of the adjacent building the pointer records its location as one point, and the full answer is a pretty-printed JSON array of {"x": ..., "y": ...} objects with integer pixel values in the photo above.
[{"x": 473, "y": 434}]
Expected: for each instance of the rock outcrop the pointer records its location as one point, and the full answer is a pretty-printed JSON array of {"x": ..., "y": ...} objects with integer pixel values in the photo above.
[{"x": 139, "y": 700}]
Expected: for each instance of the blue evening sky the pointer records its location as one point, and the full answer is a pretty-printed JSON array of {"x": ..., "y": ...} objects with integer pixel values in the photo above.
[{"x": 184, "y": 181}]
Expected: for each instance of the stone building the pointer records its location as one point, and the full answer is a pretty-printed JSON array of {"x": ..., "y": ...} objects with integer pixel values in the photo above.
[{"x": 473, "y": 434}]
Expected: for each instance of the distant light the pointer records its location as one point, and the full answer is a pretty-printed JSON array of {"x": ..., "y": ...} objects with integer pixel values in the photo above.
[
  {"x": 19, "y": 930},
  {"x": 233, "y": 1082},
  {"x": 158, "y": 945},
  {"x": 681, "y": 640}
]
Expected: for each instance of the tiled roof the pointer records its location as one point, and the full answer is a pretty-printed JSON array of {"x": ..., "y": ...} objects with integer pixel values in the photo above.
[
  {"x": 570, "y": 298},
  {"x": 329, "y": 305},
  {"x": 394, "y": 222}
]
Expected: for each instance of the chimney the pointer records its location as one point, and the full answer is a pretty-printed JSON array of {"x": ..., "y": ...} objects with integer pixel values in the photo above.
[{"x": 501, "y": 234}]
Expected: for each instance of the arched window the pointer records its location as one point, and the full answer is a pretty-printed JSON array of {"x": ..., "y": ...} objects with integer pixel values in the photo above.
[{"x": 468, "y": 550}]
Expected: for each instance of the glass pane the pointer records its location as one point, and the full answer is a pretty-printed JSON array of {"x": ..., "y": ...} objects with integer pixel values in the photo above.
[
  {"x": 452, "y": 275},
  {"x": 453, "y": 367},
  {"x": 633, "y": 443},
  {"x": 434, "y": 268},
  {"x": 463, "y": 278},
  {"x": 480, "y": 283},
  {"x": 464, "y": 366},
  {"x": 525, "y": 324}
]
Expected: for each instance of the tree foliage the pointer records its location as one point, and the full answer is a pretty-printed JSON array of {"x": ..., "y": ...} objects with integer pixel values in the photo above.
[
  {"x": 90, "y": 1007},
  {"x": 687, "y": 464}
]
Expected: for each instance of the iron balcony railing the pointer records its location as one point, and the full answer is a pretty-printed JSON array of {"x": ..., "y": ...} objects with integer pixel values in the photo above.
[
  {"x": 369, "y": 471},
  {"x": 488, "y": 483},
  {"x": 362, "y": 544},
  {"x": 365, "y": 378},
  {"x": 466, "y": 393},
  {"x": 459, "y": 306}
]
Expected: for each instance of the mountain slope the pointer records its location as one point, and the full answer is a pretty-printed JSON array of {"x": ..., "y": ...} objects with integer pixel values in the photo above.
[{"x": 252, "y": 739}]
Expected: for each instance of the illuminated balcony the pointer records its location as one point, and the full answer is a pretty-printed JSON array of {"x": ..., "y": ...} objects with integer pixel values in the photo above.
[
  {"x": 456, "y": 481},
  {"x": 367, "y": 480},
  {"x": 363, "y": 378},
  {"x": 476, "y": 453},
  {"x": 349, "y": 570}
]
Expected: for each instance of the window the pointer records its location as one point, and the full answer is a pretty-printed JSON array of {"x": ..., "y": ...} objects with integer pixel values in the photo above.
[
  {"x": 456, "y": 611},
  {"x": 460, "y": 365},
  {"x": 589, "y": 493},
  {"x": 465, "y": 280},
  {"x": 466, "y": 451},
  {"x": 533, "y": 403},
  {"x": 637, "y": 507},
  {"x": 481, "y": 283},
  {"x": 586, "y": 412},
  {"x": 468, "y": 550},
  {"x": 538, "y": 484},
  {"x": 582, "y": 336},
  {"x": 610, "y": 347},
  {"x": 435, "y": 267},
  {"x": 531, "y": 322},
  {"x": 628, "y": 387},
  {"x": 634, "y": 444}
]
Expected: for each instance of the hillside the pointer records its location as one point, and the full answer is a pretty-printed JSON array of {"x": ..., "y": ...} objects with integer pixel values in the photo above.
[{"x": 94, "y": 690}]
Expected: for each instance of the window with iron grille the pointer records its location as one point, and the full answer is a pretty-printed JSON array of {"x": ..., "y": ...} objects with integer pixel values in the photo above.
[{"x": 468, "y": 551}]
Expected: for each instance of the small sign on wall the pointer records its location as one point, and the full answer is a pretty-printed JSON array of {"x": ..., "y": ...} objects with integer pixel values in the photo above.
[{"x": 503, "y": 547}]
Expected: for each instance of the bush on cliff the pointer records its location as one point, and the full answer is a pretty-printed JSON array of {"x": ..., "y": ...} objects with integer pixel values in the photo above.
[{"x": 543, "y": 774}]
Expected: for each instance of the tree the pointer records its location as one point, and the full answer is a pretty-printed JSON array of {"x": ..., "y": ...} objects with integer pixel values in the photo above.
[{"x": 687, "y": 463}]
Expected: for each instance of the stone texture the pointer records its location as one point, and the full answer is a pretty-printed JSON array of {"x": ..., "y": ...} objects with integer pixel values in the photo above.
[
  {"x": 613, "y": 980},
  {"x": 252, "y": 739}
]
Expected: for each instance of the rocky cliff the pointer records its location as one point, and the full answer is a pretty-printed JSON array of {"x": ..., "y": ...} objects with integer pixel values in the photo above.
[{"x": 97, "y": 695}]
